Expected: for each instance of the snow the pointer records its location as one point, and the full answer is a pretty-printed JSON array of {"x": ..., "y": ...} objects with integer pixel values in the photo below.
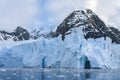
[
  {"x": 11, "y": 43},
  {"x": 55, "y": 53}
]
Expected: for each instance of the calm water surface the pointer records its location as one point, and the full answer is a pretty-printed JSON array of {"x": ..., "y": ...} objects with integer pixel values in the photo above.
[{"x": 58, "y": 74}]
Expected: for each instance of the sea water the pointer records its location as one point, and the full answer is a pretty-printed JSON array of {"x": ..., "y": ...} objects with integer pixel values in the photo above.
[{"x": 58, "y": 74}]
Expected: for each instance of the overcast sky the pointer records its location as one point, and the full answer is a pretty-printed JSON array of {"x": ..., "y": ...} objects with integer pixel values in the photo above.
[{"x": 35, "y": 13}]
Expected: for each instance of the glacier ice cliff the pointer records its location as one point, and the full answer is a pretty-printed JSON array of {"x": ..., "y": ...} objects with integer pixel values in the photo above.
[{"x": 82, "y": 41}]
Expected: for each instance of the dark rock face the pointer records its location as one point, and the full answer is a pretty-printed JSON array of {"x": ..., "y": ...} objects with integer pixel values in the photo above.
[
  {"x": 90, "y": 32},
  {"x": 93, "y": 26},
  {"x": 18, "y": 35},
  {"x": 4, "y": 35},
  {"x": 72, "y": 21}
]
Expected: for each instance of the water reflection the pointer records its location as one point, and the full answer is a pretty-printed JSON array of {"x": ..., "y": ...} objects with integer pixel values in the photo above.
[
  {"x": 87, "y": 75},
  {"x": 58, "y": 74},
  {"x": 42, "y": 75}
]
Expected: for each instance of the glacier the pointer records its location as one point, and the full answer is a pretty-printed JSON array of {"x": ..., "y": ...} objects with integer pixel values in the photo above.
[{"x": 55, "y": 53}]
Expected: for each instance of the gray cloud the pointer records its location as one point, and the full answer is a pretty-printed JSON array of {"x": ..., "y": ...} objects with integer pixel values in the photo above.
[
  {"x": 31, "y": 13},
  {"x": 18, "y": 12}
]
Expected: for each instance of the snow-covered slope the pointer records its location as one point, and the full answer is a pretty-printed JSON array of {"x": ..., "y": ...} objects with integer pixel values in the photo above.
[{"x": 85, "y": 43}]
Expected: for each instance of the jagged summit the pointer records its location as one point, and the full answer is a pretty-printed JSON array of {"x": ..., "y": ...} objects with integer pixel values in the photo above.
[
  {"x": 18, "y": 34},
  {"x": 75, "y": 19},
  {"x": 93, "y": 26}
]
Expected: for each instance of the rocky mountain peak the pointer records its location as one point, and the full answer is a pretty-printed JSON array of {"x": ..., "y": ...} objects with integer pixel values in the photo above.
[
  {"x": 93, "y": 26},
  {"x": 18, "y": 34}
]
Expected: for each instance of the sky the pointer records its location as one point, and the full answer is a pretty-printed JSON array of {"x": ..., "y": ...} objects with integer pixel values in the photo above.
[{"x": 32, "y": 14}]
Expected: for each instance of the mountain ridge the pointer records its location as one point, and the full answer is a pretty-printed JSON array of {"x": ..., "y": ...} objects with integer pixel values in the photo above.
[{"x": 93, "y": 27}]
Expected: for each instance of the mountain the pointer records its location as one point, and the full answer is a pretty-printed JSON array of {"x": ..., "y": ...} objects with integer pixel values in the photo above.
[
  {"x": 82, "y": 40},
  {"x": 21, "y": 34},
  {"x": 93, "y": 26},
  {"x": 18, "y": 34}
]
